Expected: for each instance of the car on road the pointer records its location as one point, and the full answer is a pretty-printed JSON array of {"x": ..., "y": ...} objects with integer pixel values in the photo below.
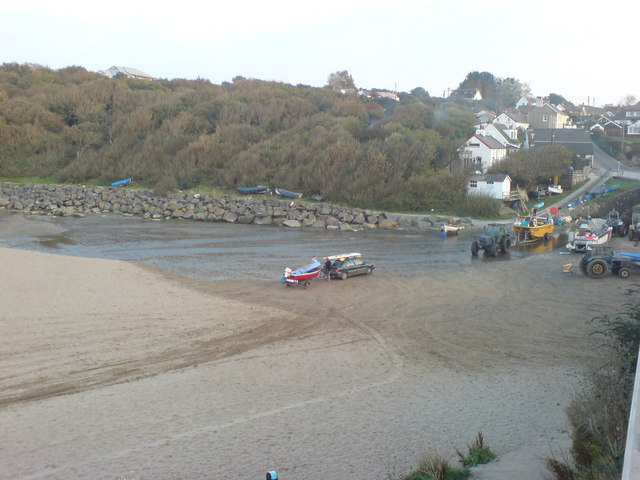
[{"x": 349, "y": 266}]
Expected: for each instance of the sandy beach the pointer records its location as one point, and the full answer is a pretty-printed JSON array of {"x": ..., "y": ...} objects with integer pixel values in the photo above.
[{"x": 111, "y": 369}]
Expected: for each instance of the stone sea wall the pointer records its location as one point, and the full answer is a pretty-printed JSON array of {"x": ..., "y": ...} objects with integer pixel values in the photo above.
[
  {"x": 622, "y": 202},
  {"x": 81, "y": 200}
]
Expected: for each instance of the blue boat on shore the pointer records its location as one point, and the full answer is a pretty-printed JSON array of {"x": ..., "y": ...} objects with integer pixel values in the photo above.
[
  {"x": 261, "y": 189},
  {"x": 122, "y": 183},
  {"x": 287, "y": 194}
]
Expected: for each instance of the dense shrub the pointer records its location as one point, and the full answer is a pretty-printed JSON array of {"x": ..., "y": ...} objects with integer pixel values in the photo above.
[{"x": 82, "y": 126}]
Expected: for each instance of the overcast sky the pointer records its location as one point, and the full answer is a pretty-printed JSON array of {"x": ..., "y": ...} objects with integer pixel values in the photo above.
[{"x": 581, "y": 49}]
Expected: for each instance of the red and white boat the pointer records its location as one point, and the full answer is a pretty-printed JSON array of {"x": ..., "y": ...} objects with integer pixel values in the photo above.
[
  {"x": 302, "y": 275},
  {"x": 594, "y": 231}
]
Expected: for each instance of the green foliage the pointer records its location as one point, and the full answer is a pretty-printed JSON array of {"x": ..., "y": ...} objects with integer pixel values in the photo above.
[
  {"x": 477, "y": 206},
  {"x": 81, "y": 127},
  {"x": 530, "y": 167},
  {"x": 477, "y": 453},
  {"x": 556, "y": 99},
  {"x": 599, "y": 413},
  {"x": 435, "y": 467}
]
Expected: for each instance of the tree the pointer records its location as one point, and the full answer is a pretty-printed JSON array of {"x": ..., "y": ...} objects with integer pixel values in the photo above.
[
  {"x": 507, "y": 92},
  {"x": 483, "y": 81},
  {"x": 528, "y": 167},
  {"x": 340, "y": 81},
  {"x": 556, "y": 99},
  {"x": 629, "y": 100}
]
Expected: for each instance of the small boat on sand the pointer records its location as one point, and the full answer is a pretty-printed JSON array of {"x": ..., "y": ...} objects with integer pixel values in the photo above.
[
  {"x": 261, "y": 189},
  {"x": 594, "y": 231},
  {"x": 451, "y": 228},
  {"x": 281, "y": 192},
  {"x": 122, "y": 183},
  {"x": 302, "y": 275}
]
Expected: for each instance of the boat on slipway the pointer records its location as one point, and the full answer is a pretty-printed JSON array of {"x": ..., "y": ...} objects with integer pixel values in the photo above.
[
  {"x": 593, "y": 231},
  {"x": 533, "y": 228}
]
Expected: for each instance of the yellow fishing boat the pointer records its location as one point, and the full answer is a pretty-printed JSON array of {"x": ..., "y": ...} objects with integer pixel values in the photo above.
[{"x": 533, "y": 228}]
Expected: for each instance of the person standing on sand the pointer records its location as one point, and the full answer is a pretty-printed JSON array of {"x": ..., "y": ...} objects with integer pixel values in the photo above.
[{"x": 327, "y": 268}]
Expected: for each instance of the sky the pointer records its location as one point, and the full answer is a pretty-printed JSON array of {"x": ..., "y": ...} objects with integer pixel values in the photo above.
[{"x": 584, "y": 50}]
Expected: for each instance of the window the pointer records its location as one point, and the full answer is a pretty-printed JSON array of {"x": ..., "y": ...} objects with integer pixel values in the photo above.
[
  {"x": 474, "y": 144},
  {"x": 473, "y": 184},
  {"x": 545, "y": 118},
  {"x": 634, "y": 129},
  {"x": 489, "y": 182},
  {"x": 633, "y": 114}
]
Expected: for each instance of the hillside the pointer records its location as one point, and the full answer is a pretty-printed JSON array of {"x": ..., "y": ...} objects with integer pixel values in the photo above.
[{"x": 72, "y": 125}]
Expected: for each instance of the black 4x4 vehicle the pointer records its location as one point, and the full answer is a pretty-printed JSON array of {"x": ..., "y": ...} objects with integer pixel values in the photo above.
[
  {"x": 496, "y": 239},
  {"x": 600, "y": 259}
]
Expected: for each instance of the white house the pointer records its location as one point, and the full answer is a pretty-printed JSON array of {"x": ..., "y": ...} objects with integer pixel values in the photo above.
[
  {"x": 495, "y": 185},
  {"x": 511, "y": 121},
  {"x": 506, "y": 136},
  {"x": 482, "y": 152}
]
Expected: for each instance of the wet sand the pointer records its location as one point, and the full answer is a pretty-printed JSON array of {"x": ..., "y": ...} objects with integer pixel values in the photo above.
[{"x": 109, "y": 368}]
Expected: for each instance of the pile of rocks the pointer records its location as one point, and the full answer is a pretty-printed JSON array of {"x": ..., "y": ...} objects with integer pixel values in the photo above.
[{"x": 80, "y": 200}]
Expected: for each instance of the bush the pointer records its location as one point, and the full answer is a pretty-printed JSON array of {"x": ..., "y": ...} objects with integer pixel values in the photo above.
[
  {"x": 435, "y": 467},
  {"x": 599, "y": 413},
  {"x": 478, "y": 453},
  {"x": 164, "y": 186}
]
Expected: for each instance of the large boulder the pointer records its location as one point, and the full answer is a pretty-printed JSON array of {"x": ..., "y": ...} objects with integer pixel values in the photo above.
[{"x": 292, "y": 223}]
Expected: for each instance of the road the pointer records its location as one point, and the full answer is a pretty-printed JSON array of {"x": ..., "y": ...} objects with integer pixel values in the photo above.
[{"x": 604, "y": 167}]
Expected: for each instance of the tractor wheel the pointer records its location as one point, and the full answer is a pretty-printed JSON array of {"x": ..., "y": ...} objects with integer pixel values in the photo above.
[
  {"x": 597, "y": 268},
  {"x": 474, "y": 248},
  {"x": 624, "y": 272},
  {"x": 505, "y": 244},
  {"x": 492, "y": 250},
  {"x": 546, "y": 237},
  {"x": 583, "y": 268}
]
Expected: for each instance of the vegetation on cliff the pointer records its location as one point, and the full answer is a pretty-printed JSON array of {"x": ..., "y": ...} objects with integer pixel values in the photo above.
[{"x": 76, "y": 126}]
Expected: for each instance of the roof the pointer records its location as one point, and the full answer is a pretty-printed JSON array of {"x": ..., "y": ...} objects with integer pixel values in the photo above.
[
  {"x": 127, "y": 71},
  {"x": 490, "y": 177},
  {"x": 516, "y": 116},
  {"x": 489, "y": 141},
  {"x": 469, "y": 93},
  {"x": 575, "y": 140}
]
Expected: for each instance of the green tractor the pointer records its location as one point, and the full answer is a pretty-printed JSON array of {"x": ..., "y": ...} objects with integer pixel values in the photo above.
[{"x": 496, "y": 239}]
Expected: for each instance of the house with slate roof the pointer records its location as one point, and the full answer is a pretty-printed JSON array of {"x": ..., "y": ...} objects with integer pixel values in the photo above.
[
  {"x": 629, "y": 118},
  {"x": 494, "y": 185},
  {"x": 467, "y": 94},
  {"x": 547, "y": 116},
  {"x": 514, "y": 121},
  {"x": 482, "y": 152},
  {"x": 506, "y": 136},
  {"x": 577, "y": 141}
]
